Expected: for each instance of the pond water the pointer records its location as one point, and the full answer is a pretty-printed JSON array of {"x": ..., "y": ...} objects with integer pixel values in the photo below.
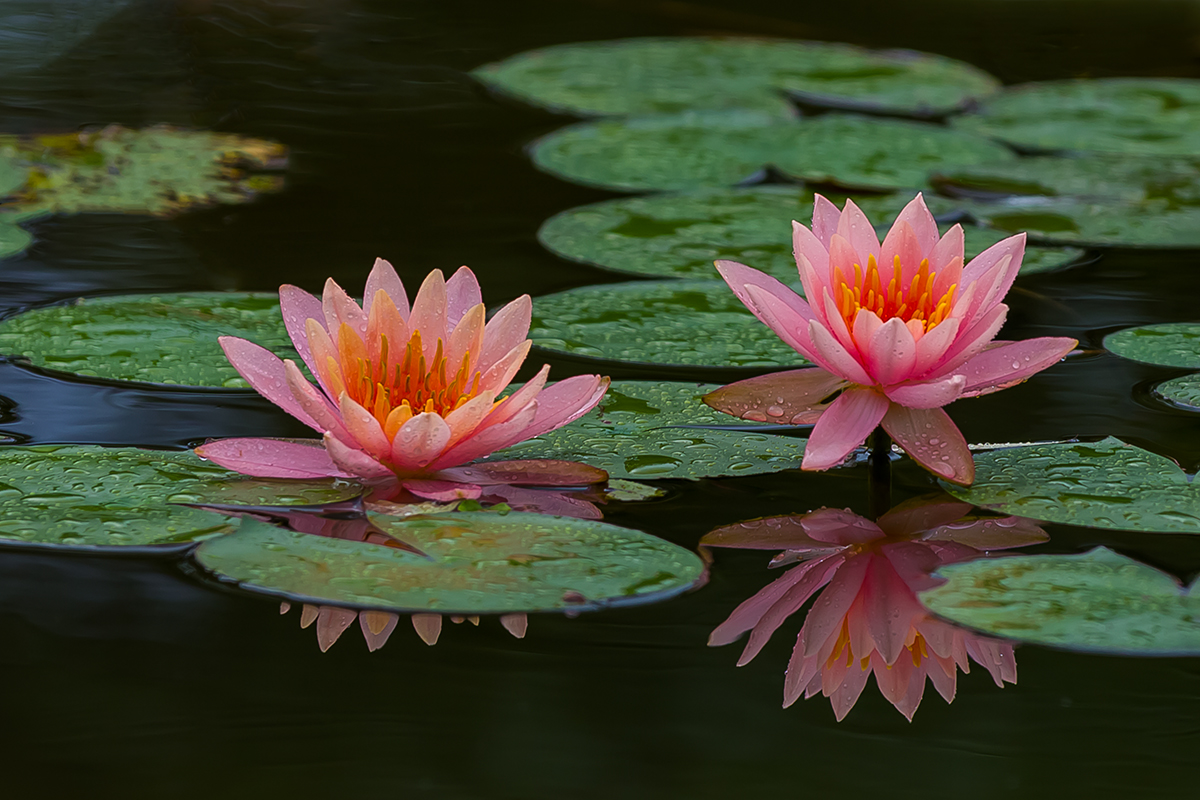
[{"x": 131, "y": 677}]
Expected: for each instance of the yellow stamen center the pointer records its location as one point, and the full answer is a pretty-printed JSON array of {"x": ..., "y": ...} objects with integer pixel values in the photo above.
[{"x": 915, "y": 301}]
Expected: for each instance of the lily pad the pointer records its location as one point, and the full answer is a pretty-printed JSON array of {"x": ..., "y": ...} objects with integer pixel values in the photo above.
[
  {"x": 1172, "y": 344},
  {"x": 478, "y": 563},
  {"x": 663, "y": 75},
  {"x": 699, "y": 149},
  {"x": 13, "y": 238},
  {"x": 89, "y": 497},
  {"x": 630, "y": 436},
  {"x": 1158, "y": 223},
  {"x": 159, "y": 171},
  {"x": 664, "y": 323},
  {"x": 1109, "y": 484},
  {"x": 163, "y": 338},
  {"x": 866, "y": 153},
  {"x": 1183, "y": 392},
  {"x": 1144, "y": 116},
  {"x": 1098, "y": 602}
]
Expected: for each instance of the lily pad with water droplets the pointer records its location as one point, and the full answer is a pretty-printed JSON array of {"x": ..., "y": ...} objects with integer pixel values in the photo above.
[
  {"x": 1109, "y": 484},
  {"x": 162, "y": 338},
  {"x": 89, "y": 497},
  {"x": 1183, "y": 392},
  {"x": 713, "y": 149},
  {"x": 1158, "y": 223},
  {"x": 1098, "y": 602},
  {"x": 1143, "y": 116},
  {"x": 662, "y": 323},
  {"x": 1172, "y": 344},
  {"x": 630, "y": 435},
  {"x": 664, "y": 75},
  {"x": 474, "y": 563}
]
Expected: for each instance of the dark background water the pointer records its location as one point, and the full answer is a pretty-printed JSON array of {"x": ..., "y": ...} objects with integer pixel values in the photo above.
[{"x": 124, "y": 678}]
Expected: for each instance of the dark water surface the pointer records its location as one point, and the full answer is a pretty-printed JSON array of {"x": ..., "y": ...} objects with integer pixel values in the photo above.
[{"x": 122, "y": 677}]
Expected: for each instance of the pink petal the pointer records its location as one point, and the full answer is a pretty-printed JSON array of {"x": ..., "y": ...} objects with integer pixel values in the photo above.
[
  {"x": 428, "y": 627},
  {"x": 1012, "y": 248},
  {"x": 834, "y": 322},
  {"x": 1008, "y": 363},
  {"x": 519, "y": 399},
  {"x": 504, "y": 331},
  {"x": 892, "y": 353},
  {"x": 844, "y": 426},
  {"x": 772, "y": 533},
  {"x": 419, "y": 442},
  {"x": 857, "y": 229},
  {"x": 828, "y": 353},
  {"x": 792, "y": 397},
  {"x": 516, "y": 624},
  {"x": 826, "y": 615},
  {"x": 934, "y": 394},
  {"x": 462, "y": 293},
  {"x": 932, "y": 347},
  {"x": 890, "y": 608},
  {"x": 466, "y": 340},
  {"x": 273, "y": 458},
  {"x": 971, "y": 342},
  {"x": 377, "y": 626},
  {"x": 501, "y": 373},
  {"x": 814, "y": 254},
  {"x": 924, "y": 228},
  {"x": 749, "y": 612},
  {"x": 848, "y": 693},
  {"x": 565, "y": 402},
  {"x": 782, "y": 319},
  {"x": 539, "y": 501},
  {"x": 989, "y": 533},
  {"x": 265, "y": 373},
  {"x": 429, "y": 312},
  {"x": 922, "y": 514},
  {"x": 315, "y": 404},
  {"x": 527, "y": 472},
  {"x": 340, "y": 310},
  {"x": 442, "y": 491},
  {"x": 383, "y": 278},
  {"x": 468, "y": 417},
  {"x": 331, "y": 623},
  {"x": 297, "y": 307},
  {"x": 840, "y": 527},
  {"x": 866, "y": 323},
  {"x": 825, "y": 219},
  {"x": 487, "y": 440},
  {"x": 740, "y": 278},
  {"x": 789, "y": 603},
  {"x": 931, "y": 439},
  {"x": 946, "y": 259},
  {"x": 365, "y": 430},
  {"x": 354, "y": 462}
]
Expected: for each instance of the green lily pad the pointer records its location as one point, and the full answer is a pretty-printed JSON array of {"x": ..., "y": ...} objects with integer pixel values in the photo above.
[
  {"x": 89, "y": 497},
  {"x": 1158, "y": 223},
  {"x": 1183, "y": 392},
  {"x": 1144, "y": 116},
  {"x": 164, "y": 338},
  {"x": 1092, "y": 178},
  {"x": 664, "y": 323},
  {"x": 1098, "y": 602},
  {"x": 1172, "y": 344},
  {"x": 13, "y": 238},
  {"x": 479, "y": 563},
  {"x": 629, "y": 436},
  {"x": 866, "y": 153},
  {"x": 664, "y": 75},
  {"x": 1109, "y": 484},
  {"x": 708, "y": 149},
  {"x": 159, "y": 171}
]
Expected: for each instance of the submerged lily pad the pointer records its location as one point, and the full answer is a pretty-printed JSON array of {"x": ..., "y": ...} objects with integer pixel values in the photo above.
[
  {"x": 1172, "y": 344},
  {"x": 92, "y": 497},
  {"x": 1108, "y": 484},
  {"x": 662, "y": 75},
  {"x": 664, "y": 323},
  {"x": 159, "y": 171},
  {"x": 698, "y": 149},
  {"x": 478, "y": 563},
  {"x": 681, "y": 235},
  {"x": 163, "y": 338},
  {"x": 1098, "y": 602},
  {"x": 1183, "y": 392},
  {"x": 1146, "y": 116},
  {"x": 629, "y": 436}
]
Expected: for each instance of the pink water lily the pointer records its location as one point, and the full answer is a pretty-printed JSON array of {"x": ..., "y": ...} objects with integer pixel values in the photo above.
[
  {"x": 868, "y": 619},
  {"x": 897, "y": 331},
  {"x": 407, "y": 395}
]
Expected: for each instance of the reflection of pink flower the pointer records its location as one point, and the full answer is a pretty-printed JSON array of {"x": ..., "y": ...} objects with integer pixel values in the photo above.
[
  {"x": 868, "y": 618},
  {"x": 901, "y": 328},
  {"x": 408, "y": 395},
  {"x": 377, "y": 626}
]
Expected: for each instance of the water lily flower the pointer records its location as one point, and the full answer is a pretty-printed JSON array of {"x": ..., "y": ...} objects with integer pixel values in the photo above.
[
  {"x": 900, "y": 329},
  {"x": 407, "y": 395},
  {"x": 868, "y": 618}
]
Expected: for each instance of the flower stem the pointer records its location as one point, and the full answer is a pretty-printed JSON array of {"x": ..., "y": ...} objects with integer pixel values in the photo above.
[{"x": 879, "y": 482}]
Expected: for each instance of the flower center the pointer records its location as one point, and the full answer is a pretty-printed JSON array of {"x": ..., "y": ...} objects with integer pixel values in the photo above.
[
  {"x": 395, "y": 387},
  {"x": 915, "y": 301}
]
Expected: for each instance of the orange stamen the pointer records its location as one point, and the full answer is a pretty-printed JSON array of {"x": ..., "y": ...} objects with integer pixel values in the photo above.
[{"x": 906, "y": 302}]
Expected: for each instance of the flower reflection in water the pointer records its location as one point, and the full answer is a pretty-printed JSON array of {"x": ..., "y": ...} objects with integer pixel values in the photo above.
[
  {"x": 377, "y": 626},
  {"x": 868, "y": 618}
]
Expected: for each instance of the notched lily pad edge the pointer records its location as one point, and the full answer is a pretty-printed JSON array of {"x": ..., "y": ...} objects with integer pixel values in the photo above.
[{"x": 163, "y": 550}]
